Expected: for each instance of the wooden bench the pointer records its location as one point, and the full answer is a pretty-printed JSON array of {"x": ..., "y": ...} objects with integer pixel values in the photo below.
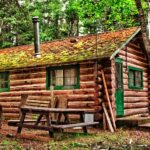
[{"x": 83, "y": 124}]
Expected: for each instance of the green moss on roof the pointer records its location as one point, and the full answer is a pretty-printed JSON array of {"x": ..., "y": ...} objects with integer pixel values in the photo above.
[{"x": 64, "y": 51}]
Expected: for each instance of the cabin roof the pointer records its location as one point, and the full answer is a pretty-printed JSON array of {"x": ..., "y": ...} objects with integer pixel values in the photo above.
[{"x": 67, "y": 50}]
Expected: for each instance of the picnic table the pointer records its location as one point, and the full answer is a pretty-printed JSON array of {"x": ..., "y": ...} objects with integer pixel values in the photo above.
[{"x": 50, "y": 126}]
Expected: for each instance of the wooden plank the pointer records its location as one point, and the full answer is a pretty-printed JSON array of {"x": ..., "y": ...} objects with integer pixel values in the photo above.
[
  {"x": 75, "y": 125},
  {"x": 107, "y": 118},
  {"x": 108, "y": 100}
]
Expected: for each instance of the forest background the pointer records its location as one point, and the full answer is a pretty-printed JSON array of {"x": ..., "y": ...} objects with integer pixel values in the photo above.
[{"x": 63, "y": 18}]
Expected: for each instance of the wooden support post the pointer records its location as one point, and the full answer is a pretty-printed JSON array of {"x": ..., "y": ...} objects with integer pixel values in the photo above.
[
  {"x": 1, "y": 116},
  {"x": 108, "y": 100}
]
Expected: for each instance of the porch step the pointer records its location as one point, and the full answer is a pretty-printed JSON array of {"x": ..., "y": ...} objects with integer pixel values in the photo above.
[
  {"x": 145, "y": 125},
  {"x": 132, "y": 121}
]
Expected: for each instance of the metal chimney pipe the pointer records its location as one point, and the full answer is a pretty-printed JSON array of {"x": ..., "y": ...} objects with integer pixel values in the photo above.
[{"x": 35, "y": 21}]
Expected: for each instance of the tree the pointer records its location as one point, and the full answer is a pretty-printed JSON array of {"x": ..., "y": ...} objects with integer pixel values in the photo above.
[{"x": 63, "y": 18}]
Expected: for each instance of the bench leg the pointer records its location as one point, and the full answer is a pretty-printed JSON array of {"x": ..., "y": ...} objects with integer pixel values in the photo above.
[
  {"x": 39, "y": 119},
  {"x": 66, "y": 118},
  {"x": 51, "y": 134},
  {"x": 21, "y": 122},
  {"x": 82, "y": 120}
]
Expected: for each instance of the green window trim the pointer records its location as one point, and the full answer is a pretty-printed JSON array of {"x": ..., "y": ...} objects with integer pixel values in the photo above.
[
  {"x": 63, "y": 87},
  {"x": 7, "y": 82},
  {"x": 134, "y": 69}
]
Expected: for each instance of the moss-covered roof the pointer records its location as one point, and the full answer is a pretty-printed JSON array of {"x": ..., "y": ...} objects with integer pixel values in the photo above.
[{"x": 64, "y": 51}]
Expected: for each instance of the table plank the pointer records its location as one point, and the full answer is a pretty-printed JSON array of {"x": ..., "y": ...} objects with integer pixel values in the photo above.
[{"x": 54, "y": 110}]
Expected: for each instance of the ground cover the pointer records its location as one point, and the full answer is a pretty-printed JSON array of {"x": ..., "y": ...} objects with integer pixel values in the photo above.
[{"x": 122, "y": 139}]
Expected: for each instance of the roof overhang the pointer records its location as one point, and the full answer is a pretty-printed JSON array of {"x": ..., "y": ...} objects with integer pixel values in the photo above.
[{"x": 125, "y": 43}]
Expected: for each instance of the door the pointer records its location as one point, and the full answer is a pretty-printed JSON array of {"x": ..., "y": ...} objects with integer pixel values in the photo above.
[{"x": 119, "y": 88}]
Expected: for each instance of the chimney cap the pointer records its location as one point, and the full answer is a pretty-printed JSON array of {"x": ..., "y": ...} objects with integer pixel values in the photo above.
[{"x": 35, "y": 19}]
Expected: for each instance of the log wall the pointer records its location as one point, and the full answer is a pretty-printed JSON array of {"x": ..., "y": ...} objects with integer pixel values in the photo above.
[
  {"x": 136, "y": 102},
  {"x": 32, "y": 81}
]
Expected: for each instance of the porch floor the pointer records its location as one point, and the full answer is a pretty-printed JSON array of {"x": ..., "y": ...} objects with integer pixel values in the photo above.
[{"x": 134, "y": 121}]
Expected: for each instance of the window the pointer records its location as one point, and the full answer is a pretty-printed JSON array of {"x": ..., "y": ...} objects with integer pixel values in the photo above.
[
  {"x": 4, "y": 81},
  {"x": 63, "y": 77},
  {"x": 135, "y": 76}
]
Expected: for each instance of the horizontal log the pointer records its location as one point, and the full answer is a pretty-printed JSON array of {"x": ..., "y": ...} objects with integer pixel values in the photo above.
[
  {"x": 76, "y": 97},
  {"x": 9, "y": 104},
  {"x": 135, "y": 93},
  {"x": 134, "y": 49},
  {"x": 84, "y": 105},
  {"x": 136, "y": 105},
  {"x": 28, "y": 70},
  {"x": 39, "y": 101},
  {"x": 84, "y": 91},
  {"x": 134, "y": 61},
  {"x": 8, "y": 116},
  {"x": 27, "y": 81},
  {"x": 86, "y": 71},
  {"x": 10, "y": 110},
  {"x": 135, "y": 99},
  {"x": 10, "y": 99},
  {"x": 132, "y": 55},
  {"x": 135, "y": 111},
  {"x": 87, "y": 65},
  {"x": 87, "y": 77},
  {"x": 28, "y": 75},
  {"x": 28, "y": 88},
  {"x": 88, "y": 84}
]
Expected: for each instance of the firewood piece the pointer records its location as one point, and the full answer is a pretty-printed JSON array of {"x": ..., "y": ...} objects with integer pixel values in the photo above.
[
  {"x": 104, "y": 122},
  {"x": 108, "y": 100},
  {"x": 107, "y": 118}
]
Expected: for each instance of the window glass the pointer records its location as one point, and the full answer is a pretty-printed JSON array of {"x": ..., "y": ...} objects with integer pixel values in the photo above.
[
  {"x": 131, "y": 78},
  {"x": 135, "y": 78},
  {"x": 4, "y": 81},
  {"x": 63, "y": 77},
  {"x": 70, "y": 76},
  {"x": 138, "y": 79},
  {"x": 57, "y": 77}
]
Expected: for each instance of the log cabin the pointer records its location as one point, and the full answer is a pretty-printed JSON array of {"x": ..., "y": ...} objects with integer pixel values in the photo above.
[{"x": 74, "y": 66}]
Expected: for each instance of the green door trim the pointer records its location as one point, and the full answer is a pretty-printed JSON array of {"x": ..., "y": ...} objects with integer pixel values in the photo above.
[{"x": 119, "y": 94}]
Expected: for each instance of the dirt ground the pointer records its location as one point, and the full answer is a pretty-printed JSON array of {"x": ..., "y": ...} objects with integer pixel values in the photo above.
[{"x": 122, "y": 139}]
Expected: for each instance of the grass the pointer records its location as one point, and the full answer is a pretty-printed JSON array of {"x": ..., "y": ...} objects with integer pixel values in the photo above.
[{"x": 78, "y": 141}]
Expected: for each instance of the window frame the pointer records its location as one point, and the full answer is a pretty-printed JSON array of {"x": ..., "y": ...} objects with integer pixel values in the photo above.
[
  {"x": 8, "y": 82},
  {"x": 63, "y": 87},
  {"x": 130, "y": 68}
]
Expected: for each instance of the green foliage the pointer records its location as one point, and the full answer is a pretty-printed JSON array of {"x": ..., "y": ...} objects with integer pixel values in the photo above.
[{"x": 63, "y": 18}]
